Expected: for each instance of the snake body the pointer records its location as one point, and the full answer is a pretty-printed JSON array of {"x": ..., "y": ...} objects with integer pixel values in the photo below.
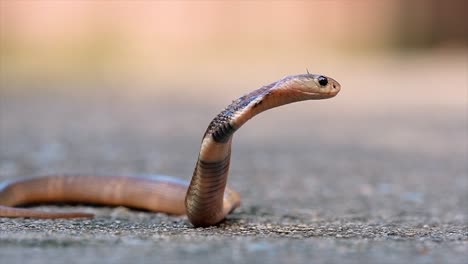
[{"x": 206, "y": 200}]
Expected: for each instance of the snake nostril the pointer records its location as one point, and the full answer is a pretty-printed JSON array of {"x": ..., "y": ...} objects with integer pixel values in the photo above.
[{"x": 334, "y": 86}]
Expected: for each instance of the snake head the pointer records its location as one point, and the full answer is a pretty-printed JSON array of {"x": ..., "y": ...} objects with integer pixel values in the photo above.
[{"x": 313, "y": 86}]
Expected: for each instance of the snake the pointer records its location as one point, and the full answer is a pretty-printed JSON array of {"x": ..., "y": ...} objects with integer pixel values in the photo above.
[{"x": 205, "y": 199}]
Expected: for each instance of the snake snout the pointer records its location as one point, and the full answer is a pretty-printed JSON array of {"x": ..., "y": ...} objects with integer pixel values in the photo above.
[{"x": 333, "y": 86}]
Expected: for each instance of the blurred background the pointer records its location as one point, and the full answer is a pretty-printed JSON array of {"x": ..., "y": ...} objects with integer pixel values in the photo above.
[
  {"x": 130, "y": 86},
  {"x": 220, "y": 45}
]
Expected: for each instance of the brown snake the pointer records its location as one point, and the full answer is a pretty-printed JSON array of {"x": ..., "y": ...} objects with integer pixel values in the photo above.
[{"x": 207, "y": 200}]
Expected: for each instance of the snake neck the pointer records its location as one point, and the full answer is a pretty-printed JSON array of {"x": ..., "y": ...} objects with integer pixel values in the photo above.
[{"x": 206, "y": 201}]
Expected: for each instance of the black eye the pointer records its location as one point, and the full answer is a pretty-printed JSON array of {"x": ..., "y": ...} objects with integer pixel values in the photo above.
[{"x": 322, "y": 80}]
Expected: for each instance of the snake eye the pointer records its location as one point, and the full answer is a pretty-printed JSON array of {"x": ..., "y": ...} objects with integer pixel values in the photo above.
[{"x": 322, "y": 80}]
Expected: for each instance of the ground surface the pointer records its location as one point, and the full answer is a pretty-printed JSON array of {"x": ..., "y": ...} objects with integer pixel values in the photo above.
[{"x": 355, "y": 179}]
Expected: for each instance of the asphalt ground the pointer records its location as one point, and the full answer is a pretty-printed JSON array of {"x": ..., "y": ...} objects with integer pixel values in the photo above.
[{"x": 354, "y": 179}]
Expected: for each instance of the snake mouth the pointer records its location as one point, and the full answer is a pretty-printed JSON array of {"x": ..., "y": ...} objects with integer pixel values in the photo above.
[{"x": 313, "y": 95}]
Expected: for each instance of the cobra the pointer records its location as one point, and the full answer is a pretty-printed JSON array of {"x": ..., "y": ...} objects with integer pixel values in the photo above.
[{"x": 205, "y": 199}]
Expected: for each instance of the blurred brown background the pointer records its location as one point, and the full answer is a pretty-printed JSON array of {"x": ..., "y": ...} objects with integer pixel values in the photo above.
[{"x": 235, "y": 44}]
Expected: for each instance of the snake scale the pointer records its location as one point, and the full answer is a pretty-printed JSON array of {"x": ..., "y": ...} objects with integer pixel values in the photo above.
[{"x": 206, "y": 200}]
